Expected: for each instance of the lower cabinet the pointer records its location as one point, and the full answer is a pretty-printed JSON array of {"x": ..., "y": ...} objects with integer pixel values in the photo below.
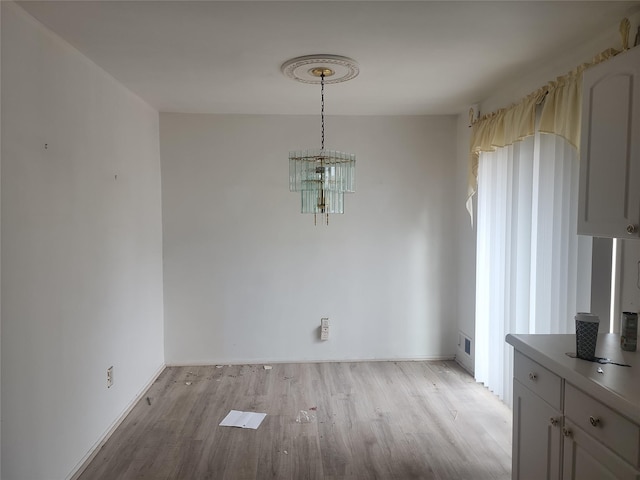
[
  {"x": 584, "y": 458},
  {"x": 563, "y": 433},
  {"x": 537, "y": 436}
]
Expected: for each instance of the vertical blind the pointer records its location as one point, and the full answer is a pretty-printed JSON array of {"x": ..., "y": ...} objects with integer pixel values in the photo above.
[{"x": 528, "y": 252}]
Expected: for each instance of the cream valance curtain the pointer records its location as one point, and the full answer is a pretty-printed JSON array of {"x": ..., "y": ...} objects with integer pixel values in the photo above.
[{"x": 561, "y": 102}]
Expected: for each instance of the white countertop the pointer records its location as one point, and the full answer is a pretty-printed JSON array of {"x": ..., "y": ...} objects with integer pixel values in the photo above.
[{"x": 618, "y": 387}]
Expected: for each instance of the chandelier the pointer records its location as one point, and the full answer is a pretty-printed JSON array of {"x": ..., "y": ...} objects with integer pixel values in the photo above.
[{"x": 321, "y": 176}]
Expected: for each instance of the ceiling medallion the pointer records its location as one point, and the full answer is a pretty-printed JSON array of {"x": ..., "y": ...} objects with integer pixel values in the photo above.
[{"x": 306, "y": 69}]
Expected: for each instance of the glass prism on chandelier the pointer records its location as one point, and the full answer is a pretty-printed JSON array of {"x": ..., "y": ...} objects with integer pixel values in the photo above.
[{"x": 322, "y": 177}]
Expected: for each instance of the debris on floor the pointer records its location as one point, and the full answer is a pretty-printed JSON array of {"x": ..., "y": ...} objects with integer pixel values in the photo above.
[
  {"x": 148, "y": 400},
  {"x": 305, "y": 417},
  {"x": 187, "y": 383},
  {"x": 267, "y": 367}
]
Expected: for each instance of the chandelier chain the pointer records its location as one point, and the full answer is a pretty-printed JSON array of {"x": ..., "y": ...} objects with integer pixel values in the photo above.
[{"x": 322, "y": 107}]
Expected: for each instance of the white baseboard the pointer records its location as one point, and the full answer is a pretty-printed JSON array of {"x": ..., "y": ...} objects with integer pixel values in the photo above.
[
  {"x": 425, "y": 358},
  {"x": 91, "y": 454},
  {"x": 465, "y": 363}
]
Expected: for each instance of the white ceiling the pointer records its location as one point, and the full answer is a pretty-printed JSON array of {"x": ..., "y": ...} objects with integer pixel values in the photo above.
[{"x": 420, "y": 57}]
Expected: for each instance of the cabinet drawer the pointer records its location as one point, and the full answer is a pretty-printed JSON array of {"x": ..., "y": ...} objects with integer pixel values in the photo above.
[
  {"x": 539, "y": 380},
  {"x": 605, "y": 425}
]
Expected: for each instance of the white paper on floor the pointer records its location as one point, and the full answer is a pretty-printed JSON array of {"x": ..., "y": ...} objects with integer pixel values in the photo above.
[{"x": 236, "y": 418}]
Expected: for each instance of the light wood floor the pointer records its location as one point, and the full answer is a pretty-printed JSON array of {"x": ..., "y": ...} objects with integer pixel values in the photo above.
[{"x": 374, "y": 420}]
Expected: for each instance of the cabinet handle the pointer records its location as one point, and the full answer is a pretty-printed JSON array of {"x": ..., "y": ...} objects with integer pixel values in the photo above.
[
  {"x": 566, "y": 432},
  {"x": 533, "y": 376},
  {"x": 631, "y": 229},
  {"x": 554, "y": 421},
  {"x": 595, "y": 421}
]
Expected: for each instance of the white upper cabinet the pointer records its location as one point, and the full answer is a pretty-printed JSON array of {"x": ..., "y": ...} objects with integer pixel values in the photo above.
[{"x": 609, "y": 204}]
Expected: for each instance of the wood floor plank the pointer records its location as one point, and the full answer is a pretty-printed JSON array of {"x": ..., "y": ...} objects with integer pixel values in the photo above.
[{"x": 369, "y": 420}]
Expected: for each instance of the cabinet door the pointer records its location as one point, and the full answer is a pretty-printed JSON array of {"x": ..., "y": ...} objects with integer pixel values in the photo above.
[
  {"x": 537, "y": 437},
  {"x": 609, "y": 204},
  {"x": 587, "y": 459}
]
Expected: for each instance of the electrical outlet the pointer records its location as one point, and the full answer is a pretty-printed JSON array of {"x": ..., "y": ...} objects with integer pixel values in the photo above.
[
  {"x": 109, "y": 377},
  {"x": 324, "y": 329},
  {"x": 324, "y": 333}
]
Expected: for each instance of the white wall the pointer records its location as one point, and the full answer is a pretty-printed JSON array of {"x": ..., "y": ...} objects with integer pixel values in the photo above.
[
  {"x": 601, "y": 280},
  {"x": 247, "y": 277},
  {"x": 466, "y": 248},
  {"x": 566, "y": 58},
  {"x": 629, "y": 277},
  {"x": 81, "y": 251}
]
